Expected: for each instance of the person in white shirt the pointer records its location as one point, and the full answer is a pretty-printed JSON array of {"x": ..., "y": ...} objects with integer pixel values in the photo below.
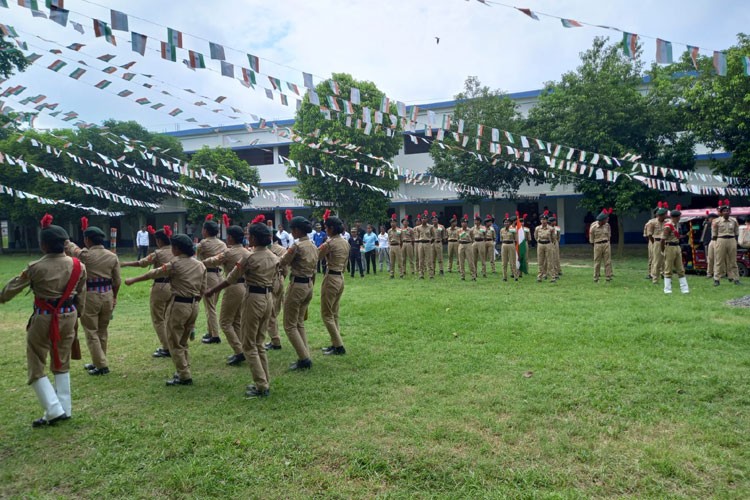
[
  {"x": 285, "y": 238},
  {"x": 141, "y": 240},
  {"x": 383, "y": 251}
]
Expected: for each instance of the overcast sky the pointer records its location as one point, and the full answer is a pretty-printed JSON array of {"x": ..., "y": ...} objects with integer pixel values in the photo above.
[{"x": 389, "y": 42}]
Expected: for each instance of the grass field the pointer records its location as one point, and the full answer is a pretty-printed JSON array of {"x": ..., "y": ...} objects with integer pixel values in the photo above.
[{"x": 449, "y": 389}]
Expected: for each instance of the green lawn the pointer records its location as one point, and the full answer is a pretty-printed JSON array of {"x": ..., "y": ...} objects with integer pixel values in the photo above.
[{"x": 631, "y": 393}]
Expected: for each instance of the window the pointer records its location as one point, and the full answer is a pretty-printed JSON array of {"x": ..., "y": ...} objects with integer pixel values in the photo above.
[{"x": 414, "y": 149}]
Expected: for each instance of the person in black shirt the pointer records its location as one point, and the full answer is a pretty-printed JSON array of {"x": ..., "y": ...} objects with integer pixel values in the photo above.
[{"x": 355, "y": 253}]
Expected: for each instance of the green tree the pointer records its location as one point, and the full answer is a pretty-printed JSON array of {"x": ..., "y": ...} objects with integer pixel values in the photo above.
[
  {"x": 478, "y": 105},
  {"x": 349, "y": 200},
  {"x": 225, "y": 163},
  {"x": 603, "y": 107},
  {"x": 11, "y": 59}
]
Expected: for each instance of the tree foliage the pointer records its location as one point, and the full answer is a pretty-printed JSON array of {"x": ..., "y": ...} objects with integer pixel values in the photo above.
[
  {"x": 476, "y": 105},
  {"x": 349, "y": 200},
  {"x": 11, "y": 59}
]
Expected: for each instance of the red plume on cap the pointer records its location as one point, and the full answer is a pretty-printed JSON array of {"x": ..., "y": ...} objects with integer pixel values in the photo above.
[
  {"x": 658, "y": 205},
  {"x": 665, "y": 205},
  {"x": 721, "y": 203},
  {"x": 151, "y": 229},
  {"x": 466, "y": 216},
  {"x": 678, "y": 207},
  {"x": 168, "y": 230},
  {"x": 46, "y": 221},
  {"x": 726, "y": 203},
  {"x": 525, "y": 215},
  {"x": 393, "y": 216},
  {"x": 84, "y": 223},
  {"x": 554, "y": 215},
  {"x": 477, "y": 216},
  {"x": 610, "y": 210},
  {"x": 506, "y": 215},
  {"x": 426, "y": 212},
  {"x": 546, "y": 212},
  {"x": 210, "y": 217},
  {"x": 260, "y": 219},
  {"x": 434, "y": 214},
  {"x": 288, "y": 214},
  {"x": 327, "y": 214},
  {"x": 518, "y": 213},
  {"x": 225, "y": 218},
  {"x": 454, "y": 217},
  {"x": 707, "y": 212}
]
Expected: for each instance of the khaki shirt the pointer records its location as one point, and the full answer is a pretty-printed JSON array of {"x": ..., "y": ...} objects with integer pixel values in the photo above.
[
  {"x": 187, "y": 276},
  {"x": 489, "y": 235},
  {"x": 478, "y": 232},
  {"x": 259, "y": 268},
  {"x": 100, "y": 262},
  {"x": 657, "y": 228},
  {"x": 303, "y": 260},
  {"x": 439, "y": 233},
  {"x": 279, "y": 252},
  {"x": 465, "y": 235},
  {"x": 452, "y": 233},
  {"x": 395, "y": 236},
  {"x": 507, "y": 235},
  {"x": 48, "y": 277},
  {"x": 424, "y": 233},
  {"x": 728, "y": 227},
  {"x": 336, "y": 253},
  {"x": 542, "y": 233},
  {"x": 671, "y": 233},
  {"x": 599, "y": 232},
  {"x": 228, "y": 258},
  {"x": 209, "y": 247},
  {"x": 648, "y": 228},
  {"x": 407, "y": 234},
  {"x": 158, "y": 257}
]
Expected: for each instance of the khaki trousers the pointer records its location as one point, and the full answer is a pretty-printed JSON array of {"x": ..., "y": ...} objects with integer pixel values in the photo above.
[
  {"x": 161, "y": 295},
  {"x": 725, "y": 259},
  {"x": 397, "y": 257},
  {"x": 602, "y": 255},
  {"x": 508, "y": 256},
  {"x": 425, "y": 259},
  {"x": 256, "y": 311},
  {"x": 452, "y": 254},
  {"x": 437, "y": 256},
  {"x": 278, "y": 301},
  {"x": 651, "y": 251},
  {"x": 39, "y": 346},
  {"x": 544, "y": 260},
  {"x": 180, "y": 321},
  {"x": 209, "y": 304},
  {"x": 556, "y": 258},
  {"x": 331, "y": 291},
  {"x": 466, "y": 256},
  {"x": 658, "y": 262},
  {"x": 489, "y": 254},
  {"x": 298, "y": 297},
  {"x": 408, "y": 250},
  {"x": 710, "y": 258},
  {"x": 95, "y": 320},
  {"x": 673, "y": 262},
  {"x": 478, "y": 248},
  {"x": 230, "y": 315}
]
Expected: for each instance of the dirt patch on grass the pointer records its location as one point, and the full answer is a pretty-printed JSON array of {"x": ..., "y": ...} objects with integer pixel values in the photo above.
[{"x": 741, "y": 302}]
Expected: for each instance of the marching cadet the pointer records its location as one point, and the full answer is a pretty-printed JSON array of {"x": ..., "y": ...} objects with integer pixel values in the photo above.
[
  {"x": 187, "y": 277},
  {"x": 452, "y": 235},
  {"x": 102, "y": 286},
  {"x": 301, "y": 258},
  {"x": 544, "y": 235},
  {"x": 59, "y": 286},
  {"x": 670, "y": 246},
  {"x": 724, "y": 231},
  {"x": 655, "y": 232},
  {"x": 407, "y": 238},
  {"x": 211, "y": 246},
  {"x": 555, "y": 245},
  {"x": 258, "y": 269},
  {"x": 161, "y": 292},
  {"x": 336, "y": 250},
  {"x": 466, "y": 250},
  {"x": 648, "y": 233},
  {"x": 599, "y": 236},
  {"x": 278, "y": 293},
  {"x": 489, "y": 241},
  {"x": 709, "y": 244},
  {"x": 395, "y": 246},
  {"x": 230, "y": 315},
  {"x": 424, "y": 236},
  {"x": 478, "y": 247},
  {"x": 508, "y": 249},
  {"x": 437, "y": 249}
]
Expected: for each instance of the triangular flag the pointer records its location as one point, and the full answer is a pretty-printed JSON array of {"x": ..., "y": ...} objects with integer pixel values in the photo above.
[{"x": 529, "y": 13}]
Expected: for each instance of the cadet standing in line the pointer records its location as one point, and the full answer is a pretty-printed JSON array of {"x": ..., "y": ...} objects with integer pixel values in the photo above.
[
  {"x": 544, "y": 235},
  {"x": 670, "y": 245},
  {"x": 555, "y": 246},
  {"x": 258, "y": 270},
  {"x": 407, "y": 238},
  {"x": 417, "y": 223},
  {"x": 59, "y": 286},
  {"x": 187, "y": 277},
  {"x": 656, "y": 230},
  {"x": 230, "y": 315},
  {"x": 437, "y": 249},
  {"x": 490, "y": 236},
  {"x": 395, "y": 242},
  {"x": 648, "y": 233},
  {"x": 278, "y": 293},
  {"x": 508, "y": 249},
  {"x": 210, "y": 246},
  {"x": 724, "y": 231},
  {"x": 161, "y": 292},
  {"x": 599, "y": 236},
  {"x": 466, "y": 250},
  {"x": 452, "y": 235},
  {"x": 709, "y": 244},
  {"x": 336, "y": 250},
  {"x": 478, "y": 247},
  {"x": 102, "y": 286},
  {"x": 301, "y": 258},
  {"x": 424, "y": 235}
]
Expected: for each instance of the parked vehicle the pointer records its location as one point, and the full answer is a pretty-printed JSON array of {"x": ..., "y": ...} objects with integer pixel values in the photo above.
[{"x": 693, "y": 251}]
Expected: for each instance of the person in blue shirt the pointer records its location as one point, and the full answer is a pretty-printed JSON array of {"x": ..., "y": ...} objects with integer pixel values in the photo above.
[
  {"x": 355, "y": 253},
  {"x": 319, "y": 238},
  {"x": 370, "y": 240}
]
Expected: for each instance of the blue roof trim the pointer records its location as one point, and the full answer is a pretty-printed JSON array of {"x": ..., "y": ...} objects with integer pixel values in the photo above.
[
  {"x": 249, "y": 146},
  {"x": 228, "y": 128},
  {"x": 714, "y": 156}
]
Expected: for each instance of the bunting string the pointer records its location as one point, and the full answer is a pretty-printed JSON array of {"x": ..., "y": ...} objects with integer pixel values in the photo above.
[{"x": 43, "y": 200}]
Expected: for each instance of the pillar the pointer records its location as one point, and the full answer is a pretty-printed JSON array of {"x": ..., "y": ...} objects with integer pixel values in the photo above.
[{"x": 561, "y": 217}]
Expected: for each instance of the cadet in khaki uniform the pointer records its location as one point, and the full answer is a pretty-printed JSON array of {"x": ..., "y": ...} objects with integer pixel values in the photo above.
[
  {"x": 655, "y": 231},
  {"x": 230, "y": 315},
  {"x": 187, "y": 277},
  {"x": 437, "y": 249},
  {"x": 258, "y": 270},
  {"x": 336, "y": 250},
  {"x": 709, "y": 243},
  {"x": 278, "y": 293},
  {"x": 211, "y": 246},
  {"x": 599, "y": 236},
  {"x": 544, "y": 235},
  {"x": 489, "y": 241},
  {"x": 479, "y": 247},
  {"x": 161, "y": 292},
  {"x": 396, "y": 248},
  {"x": 670, "y": 245},
  {"x": 555, "y": 245},
  {"x": 466, "y": 250},
  {"x": 301, "y": 259},
  {"x": 407, "y": 239},
  {"x": 725, "y": 230},
  {"x": 424, "y": 236},
  {"x": 102, "y": 285},
  {"x": 648, "y": 233},
  {"x": 452, "y": 235},
  {"x": 50, "y": 278},
  {"x": 508, "y": 249}
]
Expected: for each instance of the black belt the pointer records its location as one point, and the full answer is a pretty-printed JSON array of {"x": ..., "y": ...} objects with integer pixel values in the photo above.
[
  {"x": 259, "y": 289},
  {"x": 394, "y": 244},
  {"x": 186, "y": 300},
  {"x": 241, "y": 280},
  {"x": 545, "y": 242},
  {"x": 477, "y": 239},
  {"x": 161, "y": 280},
  {"x": 601, "y": 241},
  {"x": 297, "y": 279},
  {"x": 424, "y": 241},
  {"x": 335, "y": 273},
  {"x": 672, "y": 244},
  {"x": 67, "y": 303},
  {"x": 452, "y": 241},
  {"x": 508, "y": 242},
  {"x": 726, "y": 237},
  {"x": 99, "y": 282},
  {"x": 465, "y": 242},
  {"x": 213, "y": 269},
  {"x": 657, "y": 239}
]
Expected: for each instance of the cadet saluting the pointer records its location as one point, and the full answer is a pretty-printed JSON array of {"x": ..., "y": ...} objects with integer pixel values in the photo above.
[
  {"x": 211, "y": 246},
  {"x": 102, "y": 285},
  {"x": 59, "y": 286},
  {"x": 336, "y": 251}
]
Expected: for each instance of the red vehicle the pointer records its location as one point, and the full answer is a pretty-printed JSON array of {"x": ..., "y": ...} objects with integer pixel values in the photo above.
[{"x": 693, "y": 252}]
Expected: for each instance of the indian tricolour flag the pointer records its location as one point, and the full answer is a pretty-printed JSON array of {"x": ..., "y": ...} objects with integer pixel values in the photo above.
[
  {"x": 521, "y": 248},
  {"x": 663, "y": 51},
  {"x": 746, "y": 65},
  {"x": 629, "y": 44}
]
